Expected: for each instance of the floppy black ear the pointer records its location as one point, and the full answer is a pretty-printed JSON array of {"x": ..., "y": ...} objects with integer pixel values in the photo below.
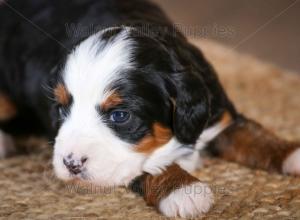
[{"x": 191, "y": 106}]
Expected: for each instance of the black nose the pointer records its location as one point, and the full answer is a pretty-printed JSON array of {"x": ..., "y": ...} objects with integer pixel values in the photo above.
[{"x": 73, "y": 165}]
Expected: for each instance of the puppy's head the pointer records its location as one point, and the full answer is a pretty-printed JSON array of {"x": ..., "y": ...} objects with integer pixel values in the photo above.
[{"x": 121, "y": 97}]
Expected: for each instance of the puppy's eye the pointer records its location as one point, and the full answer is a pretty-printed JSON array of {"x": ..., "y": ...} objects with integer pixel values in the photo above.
[
  {"x": 63, "y": 112},
  {"x": 119, "y": 116}
]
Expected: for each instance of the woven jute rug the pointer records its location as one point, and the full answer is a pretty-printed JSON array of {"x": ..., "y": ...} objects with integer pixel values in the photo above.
[{"x": 28, "y": 188}]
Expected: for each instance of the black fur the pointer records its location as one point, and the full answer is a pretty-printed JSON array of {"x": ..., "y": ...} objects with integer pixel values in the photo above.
[{"x": 169, "y": 68}]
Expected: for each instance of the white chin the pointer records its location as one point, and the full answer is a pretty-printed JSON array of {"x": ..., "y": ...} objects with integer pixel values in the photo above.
[{"x": 118, "y": 175}]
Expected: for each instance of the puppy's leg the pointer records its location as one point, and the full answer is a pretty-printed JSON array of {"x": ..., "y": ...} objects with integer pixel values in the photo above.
[
  {"x": 174, "y": 192},
  {"x": 7, "y": 108},
  {"x": 7, "y": 112},
  {"x": 248, "y": 143},
  {"x": 7, "y": 147}
]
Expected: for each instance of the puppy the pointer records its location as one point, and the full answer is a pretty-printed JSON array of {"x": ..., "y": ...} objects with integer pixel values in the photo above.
[{"x": 129, "y": 102}]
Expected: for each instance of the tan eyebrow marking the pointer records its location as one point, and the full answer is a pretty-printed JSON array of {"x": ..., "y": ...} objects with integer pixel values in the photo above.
[
  {"x": 161, "y": 135},
  {"x": 8, "y": 109},
  {"x": 111, "y": 101},
  {"x": 61, "y": 94}
]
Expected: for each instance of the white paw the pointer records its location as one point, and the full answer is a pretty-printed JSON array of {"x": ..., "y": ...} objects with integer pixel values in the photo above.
[
  {"x": 6, "y": 145},
  {"x": 187, "y": 202},
  {"x": 292, "y": 164}
]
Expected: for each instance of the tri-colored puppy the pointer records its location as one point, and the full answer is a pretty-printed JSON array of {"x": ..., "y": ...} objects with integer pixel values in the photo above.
[{"x": 129, "y": 102}]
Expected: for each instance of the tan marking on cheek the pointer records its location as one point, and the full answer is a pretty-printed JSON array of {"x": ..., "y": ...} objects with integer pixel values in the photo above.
[
  {"x": 226, "y": 119},
  {"x": 61, "y": 94},
  {"x": 111, "y": 101},
  {"x": 161, "y": 135},
  {"x": 8, "y": 109}
]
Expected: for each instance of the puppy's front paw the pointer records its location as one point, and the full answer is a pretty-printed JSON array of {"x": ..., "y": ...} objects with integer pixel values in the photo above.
[
  {"x": 187, "y": 202},
  {"x": 7, "y": 147},
  {"x": 291, "y": 164},
  {"x": 174, "y": 192}
]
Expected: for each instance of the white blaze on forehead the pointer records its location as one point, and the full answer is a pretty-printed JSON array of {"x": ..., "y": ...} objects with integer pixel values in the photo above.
[
  {"x": 89, "y": 70},
  {"x": 95, "y": 63}
]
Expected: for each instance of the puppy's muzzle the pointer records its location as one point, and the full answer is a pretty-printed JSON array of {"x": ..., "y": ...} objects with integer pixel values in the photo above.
[{"x": 75, "y": 166}]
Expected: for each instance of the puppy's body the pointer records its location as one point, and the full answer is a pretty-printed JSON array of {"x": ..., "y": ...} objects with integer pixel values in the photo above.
[
  {"x": 29, "y": 56},
  {"x": 123, "y": 93}
]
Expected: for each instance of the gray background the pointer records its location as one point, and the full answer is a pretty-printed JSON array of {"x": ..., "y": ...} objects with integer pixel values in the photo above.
[{"x": 268, "y": 29}]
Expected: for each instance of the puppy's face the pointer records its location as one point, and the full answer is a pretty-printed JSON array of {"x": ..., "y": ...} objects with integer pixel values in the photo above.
[{"x": 115, "y": 106}]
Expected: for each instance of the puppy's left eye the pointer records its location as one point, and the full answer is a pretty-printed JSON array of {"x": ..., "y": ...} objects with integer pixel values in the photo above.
[
  {"x": 63, "y": 112},
  {"x": 119, "y": 116}
]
